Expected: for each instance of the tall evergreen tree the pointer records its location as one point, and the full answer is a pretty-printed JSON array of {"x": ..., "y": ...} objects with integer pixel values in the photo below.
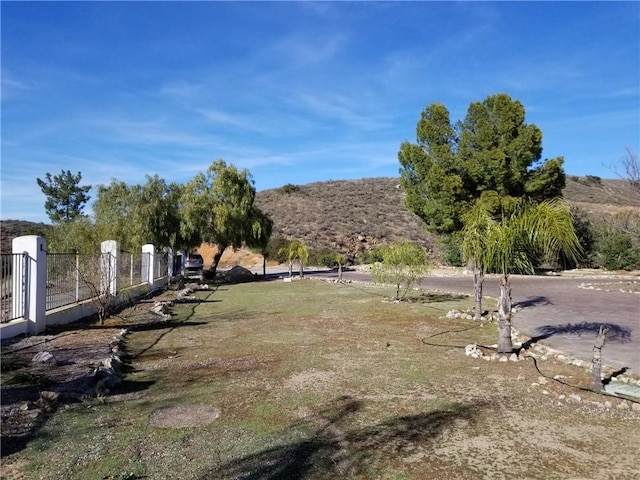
[
  {"x": 492, "y": 149},
  {"x": 65, "y": 196}
]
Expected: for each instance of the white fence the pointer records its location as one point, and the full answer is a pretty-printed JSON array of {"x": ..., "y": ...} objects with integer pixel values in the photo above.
[{"x": 40, "y": 289}]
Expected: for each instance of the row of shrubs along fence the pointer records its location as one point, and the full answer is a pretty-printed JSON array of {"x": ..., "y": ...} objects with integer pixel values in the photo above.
[{"x": 39, "y": 289}]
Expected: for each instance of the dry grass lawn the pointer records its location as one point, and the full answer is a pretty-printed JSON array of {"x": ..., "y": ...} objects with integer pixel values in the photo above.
[{"x": 312, "y": 380}]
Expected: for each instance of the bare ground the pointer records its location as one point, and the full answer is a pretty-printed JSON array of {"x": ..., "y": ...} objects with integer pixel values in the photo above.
[{"x": 80, "y": 350}]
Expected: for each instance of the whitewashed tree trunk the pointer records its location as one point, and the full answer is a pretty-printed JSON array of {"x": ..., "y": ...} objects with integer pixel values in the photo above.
[
  {"x": 478, "y": 279},
  {"x": 505, "y": 344},
  {"x": 596, "y": 362}
]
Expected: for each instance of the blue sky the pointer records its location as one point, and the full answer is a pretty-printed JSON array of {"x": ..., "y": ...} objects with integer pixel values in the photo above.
[{"x": 298, "y": 92}]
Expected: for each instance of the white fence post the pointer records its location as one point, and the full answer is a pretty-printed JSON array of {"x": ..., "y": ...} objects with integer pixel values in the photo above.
[
  {"x": 35, "y": 280},
  {"x": 148, "y": 263},
  {"x": 109, "y": 267}
]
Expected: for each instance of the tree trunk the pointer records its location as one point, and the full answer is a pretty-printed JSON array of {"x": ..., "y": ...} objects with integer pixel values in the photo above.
[
  {"x": 290, "y": 268},
  {"x": 596, "y": 362},
  {"x": 264, "y": 266},
  {"x": 301, "y": 269},
  {"x": 504, "y": 316},
  {"x": 478, "y": 279},
  {"x": 216, "y": 259},
  {"x": 339, "y": 271}
]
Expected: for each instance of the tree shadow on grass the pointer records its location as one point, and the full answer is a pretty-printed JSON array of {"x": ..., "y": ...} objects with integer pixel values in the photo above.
[{"x": 331, "y": 450}]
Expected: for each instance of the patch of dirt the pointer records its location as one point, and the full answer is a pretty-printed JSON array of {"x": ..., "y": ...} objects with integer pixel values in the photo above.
[
  {"x": 230, "y": 257},
  {"x": 184, "y": 416},
  {"x": 78, "y": 349}
]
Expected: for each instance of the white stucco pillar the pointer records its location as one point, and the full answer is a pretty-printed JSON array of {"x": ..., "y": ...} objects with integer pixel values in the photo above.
[
  {"x": 109, "y": 275},
  {"x": 35, "y": 280},
  {"x": 148, "y": 263}
]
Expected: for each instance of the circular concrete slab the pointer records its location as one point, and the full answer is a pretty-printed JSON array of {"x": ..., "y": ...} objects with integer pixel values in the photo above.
[{"x": 184, "y": 416}]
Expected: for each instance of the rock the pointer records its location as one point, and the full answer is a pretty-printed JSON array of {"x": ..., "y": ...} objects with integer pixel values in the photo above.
[
  {"x": 239, "y": 274},
  {"x": 114, "y": 363},
  {"x": 635, "y": 407},
  {"x": 561, "y": 357},
  {"x": 545, "y": 392},
  {"x": 45, "y": 358},
  {"x": 575, "y": 397},
  {"x": 607, "y": 404},
  {"x": 561, "y": 397},
  {"x": 48, "y": 401},
  {"x": 473, "y": 351},
  {"x": 578, "y": 363},
  {"x": 106, "y": 378},
  {"x": 542, "y": 380},
  {"x": 623, "y": 405},
  {"x": 513, "y": 357},
  {"x": 503, "y": 359}
]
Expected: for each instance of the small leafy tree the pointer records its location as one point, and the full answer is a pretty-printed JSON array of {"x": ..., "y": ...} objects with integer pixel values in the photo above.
[
  {"x": 218, "y": 208},
  {"x": 65, "y": 196},
  {"x": 77, "y": 236},
  {"x": 258, "y": 238},
  {"x": 403, "y": 265},
  {"x": 295, "y": 250}
]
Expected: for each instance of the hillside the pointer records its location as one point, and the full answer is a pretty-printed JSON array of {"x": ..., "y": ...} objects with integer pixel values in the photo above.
[
  {"x": 357, "y": 215},
  {"x": 348, "y": 215},
  {"x": 9, "y": 229},
  {"x": 329, "y": 215}
]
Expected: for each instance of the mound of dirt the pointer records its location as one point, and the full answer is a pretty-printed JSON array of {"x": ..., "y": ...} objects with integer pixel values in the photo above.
[{"x": 239, "y": 274}]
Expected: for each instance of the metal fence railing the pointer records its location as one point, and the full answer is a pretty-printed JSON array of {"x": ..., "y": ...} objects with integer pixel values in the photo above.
[
  {"x": 129, "y": 269},
  {"x": 162, "y": 266},
  {"x": 12, "y": 286},
  {"x": 73, "y": 278}
]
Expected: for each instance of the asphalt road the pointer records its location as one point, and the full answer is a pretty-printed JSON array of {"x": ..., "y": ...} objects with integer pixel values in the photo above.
[{"x": 559, "y": 312}]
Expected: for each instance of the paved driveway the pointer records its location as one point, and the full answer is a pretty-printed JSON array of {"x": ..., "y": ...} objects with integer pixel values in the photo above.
[{"x": 559, "y": 312}]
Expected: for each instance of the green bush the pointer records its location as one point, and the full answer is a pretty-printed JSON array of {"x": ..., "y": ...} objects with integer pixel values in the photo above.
[
  {"x": 403, "y": 264},
  {"x": 275, "y": 247},
  {"x": 375, "y": 255},
  {"x": 453, "y": 249},
  {"x": 586, "y": 232},
  {"x": 322, "y": 258},
  {"x": 289, "y": 188},
  {"x": 616, "y": 251}
]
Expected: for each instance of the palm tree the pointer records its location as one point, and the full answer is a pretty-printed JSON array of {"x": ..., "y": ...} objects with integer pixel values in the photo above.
[
  {"x": 505, "y": 243},
  {"x": 295, "y": 250}
]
